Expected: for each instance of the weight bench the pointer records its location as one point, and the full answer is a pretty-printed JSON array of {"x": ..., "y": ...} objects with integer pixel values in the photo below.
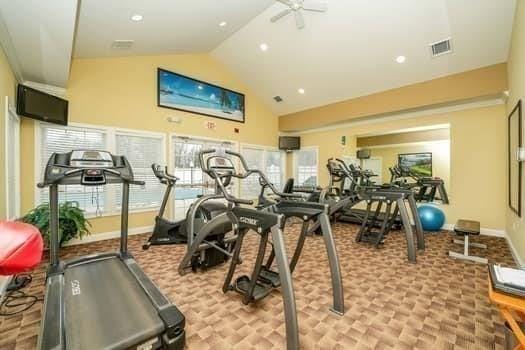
[{"x": 467, "y": 228}]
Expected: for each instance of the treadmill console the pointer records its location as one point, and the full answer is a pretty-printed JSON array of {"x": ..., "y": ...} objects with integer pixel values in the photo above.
[{"x": 88, "y": 168}]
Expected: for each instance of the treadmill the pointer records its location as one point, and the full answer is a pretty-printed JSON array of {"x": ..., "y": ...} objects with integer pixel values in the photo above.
[{"x": 101, "y": 301}]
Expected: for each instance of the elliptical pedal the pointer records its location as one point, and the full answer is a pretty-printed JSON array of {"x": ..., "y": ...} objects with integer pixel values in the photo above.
[
  {"x": 268, "y": 276},
  {"x": 242, "y": 285}
]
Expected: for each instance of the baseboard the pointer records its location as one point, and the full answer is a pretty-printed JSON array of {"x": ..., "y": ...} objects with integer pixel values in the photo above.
[
  {"x": 108, "y": 235},
  {"x": 514, "y": 252},
  {"x": 483, "y": 230}
]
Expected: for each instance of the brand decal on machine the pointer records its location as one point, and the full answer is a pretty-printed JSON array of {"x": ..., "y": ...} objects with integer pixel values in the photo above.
[
  {"x": 249, "y": 221},
  {"x": 75, "y": 287}
]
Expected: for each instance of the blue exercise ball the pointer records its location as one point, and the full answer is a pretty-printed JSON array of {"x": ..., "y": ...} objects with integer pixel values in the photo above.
[{"x": 432, "y": 218}]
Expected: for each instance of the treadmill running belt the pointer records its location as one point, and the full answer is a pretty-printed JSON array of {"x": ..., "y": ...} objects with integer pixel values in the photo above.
[{"x": 105, "y": 307}]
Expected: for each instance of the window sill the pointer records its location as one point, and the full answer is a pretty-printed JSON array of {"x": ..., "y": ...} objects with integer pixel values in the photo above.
[{"x": 117, "y": 213}]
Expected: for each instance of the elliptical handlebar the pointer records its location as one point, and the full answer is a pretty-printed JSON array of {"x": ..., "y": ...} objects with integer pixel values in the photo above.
[
  {"x": 163, "y": 175},
  {"x": 227, "y": 154}
]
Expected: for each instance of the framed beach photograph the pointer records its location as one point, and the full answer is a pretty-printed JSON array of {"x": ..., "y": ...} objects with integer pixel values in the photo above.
[{"x": 183, "y": 93}]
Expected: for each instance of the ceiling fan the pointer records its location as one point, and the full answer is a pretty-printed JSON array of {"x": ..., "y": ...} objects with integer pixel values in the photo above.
[{"x": 297, "y": 6}]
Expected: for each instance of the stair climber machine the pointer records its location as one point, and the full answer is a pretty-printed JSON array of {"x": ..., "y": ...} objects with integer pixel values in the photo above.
[
  {"x": 203, "y": 210},
  {"x": 101, "y": 301},
  {"x": 219, "y": 165}
]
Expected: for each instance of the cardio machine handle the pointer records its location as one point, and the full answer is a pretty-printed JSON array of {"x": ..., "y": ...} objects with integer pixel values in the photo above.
[{"x": 163, "y": 174}]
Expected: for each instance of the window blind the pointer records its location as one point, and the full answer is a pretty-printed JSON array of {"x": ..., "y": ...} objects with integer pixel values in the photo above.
[
  {"x": 141, "y": 151},
  {"x": 306, "y": 167},
  {"x": 62, "y": 140}
]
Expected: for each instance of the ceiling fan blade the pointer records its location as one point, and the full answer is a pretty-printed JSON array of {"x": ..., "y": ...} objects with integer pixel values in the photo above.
[
  {"x": 280, "y": 15},
  {"x": 286, "y": 2},
  {"x": 316, "y": 6},
  {"x": 299, "y": 19}
]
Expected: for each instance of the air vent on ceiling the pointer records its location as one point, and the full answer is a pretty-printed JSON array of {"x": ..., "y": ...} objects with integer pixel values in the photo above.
[
  {"x": 122, "y": 44},
  {"x": 278, "y": 99},
  {"x": 442, "y": 47}
]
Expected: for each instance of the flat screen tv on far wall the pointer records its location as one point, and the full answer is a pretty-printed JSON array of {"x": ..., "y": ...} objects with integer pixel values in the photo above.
[
  {"x": 38, "y": 105},
  {"x": 289, "y": 143},
  {"x": 419, "y": 164}
]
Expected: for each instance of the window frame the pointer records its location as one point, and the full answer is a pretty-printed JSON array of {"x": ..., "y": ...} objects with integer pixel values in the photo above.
[
  {"x": 295, "y": 159},
  {"x": 266, "y": 149},
  {"x": 111, "y": 133},
  {"x": 14, "y": 194},
  {"x": 171, "y": 160}
]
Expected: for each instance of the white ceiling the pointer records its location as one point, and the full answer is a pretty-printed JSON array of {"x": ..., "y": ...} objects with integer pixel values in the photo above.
[
  {"x": 39, "y": 37},
  {"x": 350, "y": 50},
  {"x": 168, "y": 26}
]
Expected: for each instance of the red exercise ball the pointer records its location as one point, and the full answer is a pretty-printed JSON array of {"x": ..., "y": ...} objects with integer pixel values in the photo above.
[{"x": 21, "y": 247}]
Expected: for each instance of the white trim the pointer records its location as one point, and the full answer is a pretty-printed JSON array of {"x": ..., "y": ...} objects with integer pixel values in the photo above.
[
  {"x": 294, "y": 161},
  {"x": 514, "y": 252},
  {"x": 12, "y": 117},
  {"x": 400, "y": 116},
  {"x": 483, "y": 231},
  {"x": 49, "y": 89},
  {"x": 95, "y": 237},
  {"x": 9, "y": 50}
]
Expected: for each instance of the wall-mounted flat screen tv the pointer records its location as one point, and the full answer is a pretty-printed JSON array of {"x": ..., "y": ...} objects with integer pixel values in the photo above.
[
  {"x": 419, "y": 164},
  {"x": 289, "y": 143},
  {"x": 38, "y": 105},
  {"x": 363, "y": 154}
]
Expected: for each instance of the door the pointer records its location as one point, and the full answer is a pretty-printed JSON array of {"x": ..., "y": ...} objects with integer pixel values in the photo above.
[
  {"x": 193, "y": 182},
  {"x": 375, "y": 165},
  {"x": 12, "y": 167}
]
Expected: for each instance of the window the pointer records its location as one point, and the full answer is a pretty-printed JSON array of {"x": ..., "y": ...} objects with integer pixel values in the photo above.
[
  {"x": 140, "y": 148},
  {"x": 193, "y": 182},
  {"x": 269, "y": 161},
  {"x": 305, "y": 166},
  {"x": 142, "y": 151},
  {"x": 60, "y": 139}
]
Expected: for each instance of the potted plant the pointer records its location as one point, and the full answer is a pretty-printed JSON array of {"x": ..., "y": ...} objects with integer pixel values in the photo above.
[{"x": 71, "y": 221}]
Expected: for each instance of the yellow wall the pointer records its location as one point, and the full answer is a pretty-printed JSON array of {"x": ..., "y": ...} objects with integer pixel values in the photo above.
[
  {"x": 404, "y": 137},
  {"x": 122, "y": 92},
  {"x": 516, "y": 77},
  {"x": 440, "y": 158},
  {"x": 7, "y": 88},
  {"x": 477, "y": 143},
  {"x": 486, "y": 81}
]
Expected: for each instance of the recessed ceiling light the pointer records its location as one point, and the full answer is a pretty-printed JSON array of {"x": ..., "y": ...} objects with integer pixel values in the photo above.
[
  {"x": 301, "y": 91},
  {"x": 223, "y": 24},
  {"x": 137, "y": 18},
  {"x": 263, "y": 47},
  {"x": 400, "y": 59}
]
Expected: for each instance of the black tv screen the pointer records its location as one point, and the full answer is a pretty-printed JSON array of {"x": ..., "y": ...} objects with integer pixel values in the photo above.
[
  {"x": 38, "y": 105},
  {"x": 289, "y": 143},
  {"x": 419, "y": 164},
  {"x": 363, "y": 154}
]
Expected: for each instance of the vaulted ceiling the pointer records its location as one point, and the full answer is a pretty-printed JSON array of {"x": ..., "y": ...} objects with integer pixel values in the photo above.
[{"x": 346, "y": 52}]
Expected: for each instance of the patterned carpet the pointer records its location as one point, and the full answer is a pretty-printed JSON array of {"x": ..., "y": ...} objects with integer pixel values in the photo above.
[{"x": 439, "y": 303}]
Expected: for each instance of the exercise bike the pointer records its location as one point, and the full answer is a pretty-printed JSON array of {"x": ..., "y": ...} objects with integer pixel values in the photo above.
[{"x": 181, "y": 232}]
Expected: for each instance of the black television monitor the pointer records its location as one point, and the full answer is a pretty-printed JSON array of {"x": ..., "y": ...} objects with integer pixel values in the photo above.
[
  {"x": 289, "y": 143},
  {"x": 38, "y": 105},
  {"x": 363, "y": 154},
  {"x": 419, "y": 164}
]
